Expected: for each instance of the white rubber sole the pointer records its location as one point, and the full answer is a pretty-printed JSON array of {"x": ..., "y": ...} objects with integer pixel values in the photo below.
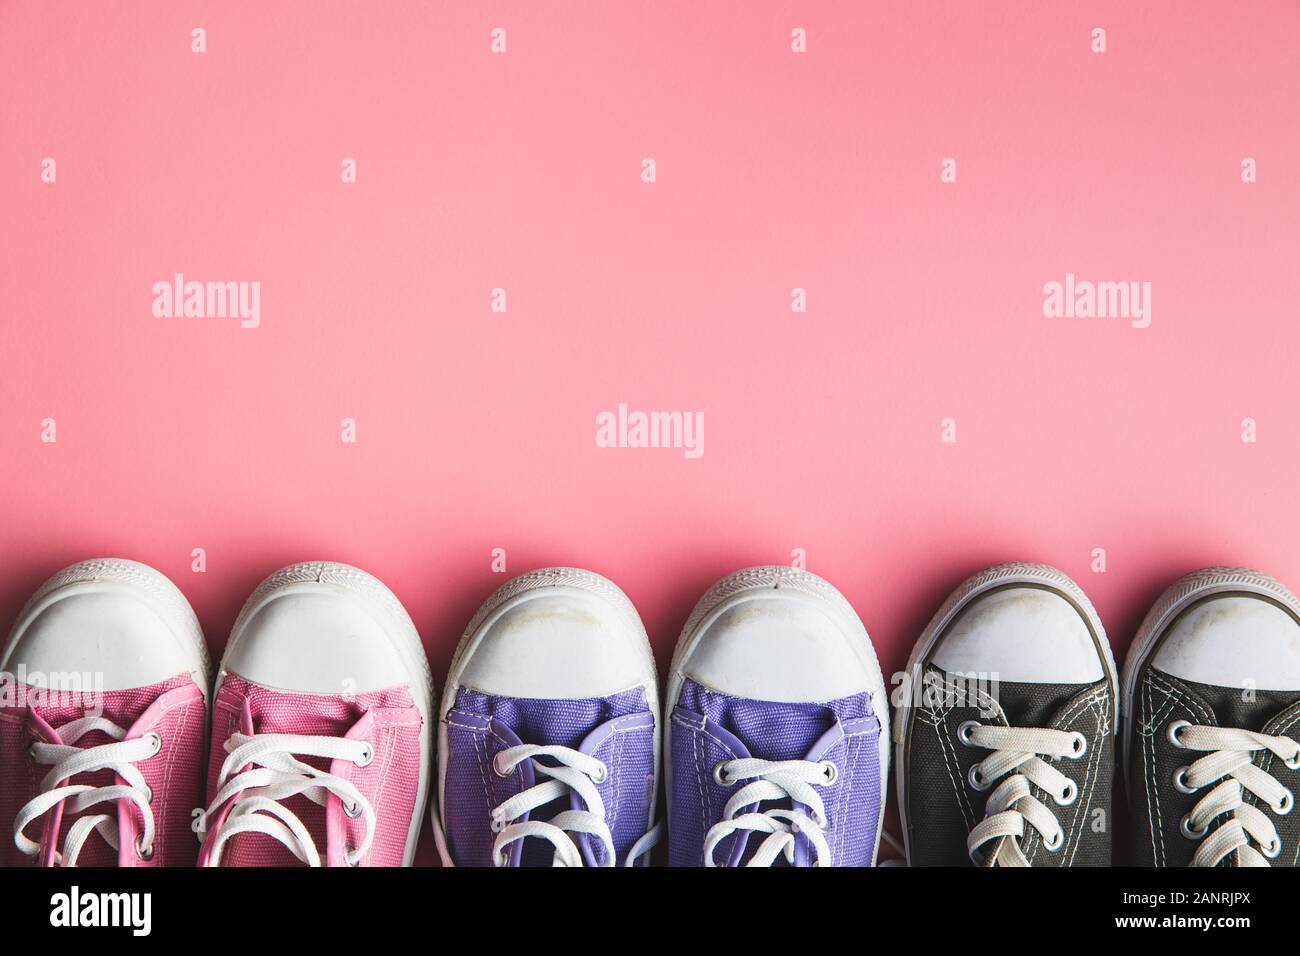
[
  {"x": 1175, "y": 599},
  {"x": 999, "y": 576},
  {"x": 526, "y": 587},
  {"x": 152, "y": 586},
  {"x": 743, "y": 586},
  {"x": 385, "y": 607}
]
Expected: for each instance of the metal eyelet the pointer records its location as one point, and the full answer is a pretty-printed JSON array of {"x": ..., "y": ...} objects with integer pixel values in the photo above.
[
  {"x": 350, "y": 856},
  {"x": 366, "y": 757},
  {"x": 155, "y": 741},
  {"x": 352, "y": 811},
  {"x": 832, "y": 772},
  {"x": 1185, "y": 827},
  {"x": 143, "y": 852},
  {"x": 1070, "y": 795},
  {"x": 496, "y": 767},
  {"x": 976, "y": 777},
  {"x": 1273, "y": 850},
  {"x": 601, "y": 775},
  {"x": 1058, "y": 841},
  {"x": 1288, "y": 801},
  {"x": 1294, "y": 762},
  {"x": 720, "y": 774},
  {"x": 1180, "y": 781},
  {"x": 148, "y": 793},
  {"x": 497, "y": 824},
  {"x": 964, "y": 729},
  {"x": 1079, "y": 745},
  {"x": 1173, "y": 730}
]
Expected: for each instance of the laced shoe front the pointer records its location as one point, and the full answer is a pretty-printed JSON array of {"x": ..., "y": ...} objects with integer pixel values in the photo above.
[
  {"x": 102, "y": 739},
  {"x": 1005, "y": 729},
  {"x": 320, "y": 750},
  {"x": 777, "y": 742},
  {"x": 549, "y": 739},
  {"x": 1212, "y": 749}
]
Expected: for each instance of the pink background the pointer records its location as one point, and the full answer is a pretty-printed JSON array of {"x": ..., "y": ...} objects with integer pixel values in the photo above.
[{"x": 775, "y": 170}]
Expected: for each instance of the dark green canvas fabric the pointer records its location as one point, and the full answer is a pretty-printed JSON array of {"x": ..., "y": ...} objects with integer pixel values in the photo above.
[
  {"x": 943, "y": 806},
  {"x": 1157, "y": 806}
]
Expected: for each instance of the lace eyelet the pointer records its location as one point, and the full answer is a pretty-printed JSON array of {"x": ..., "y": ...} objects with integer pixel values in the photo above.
[
  {"x": 367, "y": 757},
  {"x": 1294, "y": 762},
  {"x": 1185, "y": 828},
  {"x": 1180, "y": 781},
  {"x": 832, "y": 772},
  {"x": 720, "y": 774},
  {"x": 148, "y": 793},
  {"x": 145, "y": 853},
  {"x": 1071, "y": 794},
  {"x": 1288, "y": 801},
  {"x": 964, "y": 729},
  {"x": 496, "y": 767},
  {"x": 352, "y": 811},
  {"x": 350, "y": 856},
  {"x": 31, "y": 751},
  {"x": 601, "y": 775},
  {"x": 1173, "y": 730},
  {"x": 1057, "y": 841},
  {"x": 155, "y": 742},
  {"x": 1079, "y": 744},
  {"x": 1273, "y": 850},
  {"x": 976, "y": 778},
  {"x": 498, "y": 824}
]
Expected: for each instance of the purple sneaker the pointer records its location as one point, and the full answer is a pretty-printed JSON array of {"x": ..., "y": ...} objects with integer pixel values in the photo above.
[
  {"x": 548, "y": 746},
  {"x": 778, "y": 739}
]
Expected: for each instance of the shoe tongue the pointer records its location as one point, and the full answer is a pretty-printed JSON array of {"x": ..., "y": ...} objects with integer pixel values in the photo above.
[
  {"x": 123, "y": 708},
  {"x": 258, "y": 849},
  {"x": 770, "y": 730},
  {"x": 1032, "y": 705},
  {"x": 576, "y": 724},
  {"x": 1242, "y": 709}
]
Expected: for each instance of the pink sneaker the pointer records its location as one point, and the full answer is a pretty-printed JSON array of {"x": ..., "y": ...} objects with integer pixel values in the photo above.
[
  {"x": 320, "y": 726},
  {"x": 102, "y": 720}
]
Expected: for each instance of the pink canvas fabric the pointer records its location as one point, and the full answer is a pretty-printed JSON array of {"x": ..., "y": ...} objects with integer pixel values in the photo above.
[
  {"x": 174, "y": 709},
  {"x": 388, "y": 719}
]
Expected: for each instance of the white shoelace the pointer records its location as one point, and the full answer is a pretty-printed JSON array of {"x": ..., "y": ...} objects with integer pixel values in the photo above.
[
  {"x": 1228, "y": 759},
  {"x": 572, "y": 771},
  {"x": 277, "y": 775},
  {"x": 1018, "y": 752},
  {"x": 68, "y": 761},
  {"x": 793, "y": 780}
]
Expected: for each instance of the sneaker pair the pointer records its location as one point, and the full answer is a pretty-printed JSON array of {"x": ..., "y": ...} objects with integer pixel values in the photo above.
[
  {"x": 1004, "y": 737},
  {"x": 551, "y": 738},
  {"x": 319, "y": 754}
]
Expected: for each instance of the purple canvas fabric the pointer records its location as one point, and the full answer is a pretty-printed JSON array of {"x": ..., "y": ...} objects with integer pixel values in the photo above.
[
  {"x": 619, "y": 730},
  {"x": 709, "y": 727}
]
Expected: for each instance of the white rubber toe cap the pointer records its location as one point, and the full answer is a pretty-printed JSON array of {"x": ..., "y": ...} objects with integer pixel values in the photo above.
[
  {"x": 780, "y": 645},
  {"x": 556, "y": 643},
  {"x": 107, "y": 632},
  {"x": 1021, "y": 634},
  {"x": 1233, "y": 641},
  {"x": 312, "y": 638}
]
